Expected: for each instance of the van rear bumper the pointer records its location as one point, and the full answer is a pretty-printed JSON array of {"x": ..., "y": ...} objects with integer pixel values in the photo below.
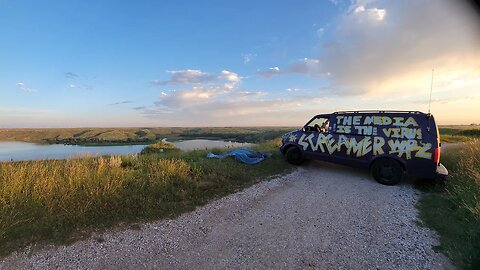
[{"x": 441, "y": 173}]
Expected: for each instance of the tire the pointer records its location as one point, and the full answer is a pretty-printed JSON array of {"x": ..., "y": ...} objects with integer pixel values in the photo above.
[
  {"x": 294, "y": 156},
  {"x": 387, "y": 171}
]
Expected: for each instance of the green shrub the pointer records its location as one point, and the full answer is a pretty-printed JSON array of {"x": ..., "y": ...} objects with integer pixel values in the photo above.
[{"x": 159, "y": 147}]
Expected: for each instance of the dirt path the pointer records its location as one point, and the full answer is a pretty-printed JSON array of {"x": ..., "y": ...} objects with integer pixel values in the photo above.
[{"x": 321, "y": 216}]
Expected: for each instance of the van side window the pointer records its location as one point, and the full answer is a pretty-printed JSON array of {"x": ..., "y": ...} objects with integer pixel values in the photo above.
[{"x": 319, "y": 124}]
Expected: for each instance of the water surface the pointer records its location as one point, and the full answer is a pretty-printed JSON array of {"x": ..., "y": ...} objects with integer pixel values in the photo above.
[{"x": 16, "y": 151}]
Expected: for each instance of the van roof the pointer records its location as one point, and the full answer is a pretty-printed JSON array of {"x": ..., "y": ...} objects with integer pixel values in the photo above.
[{"x": 379, "y": 111}]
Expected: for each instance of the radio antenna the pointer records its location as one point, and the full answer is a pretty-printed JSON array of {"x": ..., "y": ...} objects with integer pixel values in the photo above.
[{"x": 431, "y": 89}]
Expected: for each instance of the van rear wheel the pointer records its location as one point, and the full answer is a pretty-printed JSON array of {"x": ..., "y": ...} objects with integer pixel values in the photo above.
[
  {"x": 387, "y": 171},
  {"x": 294, "y": 156}
]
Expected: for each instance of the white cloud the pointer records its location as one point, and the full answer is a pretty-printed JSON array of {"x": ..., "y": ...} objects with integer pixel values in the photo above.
[
  {"x": 193, "y": 76},
  {"x": 372, "y": 13},
  {"x": 293, "y": 89},
  {"x": 381, "y": 47},
  {"x": 359, "y": 9},
  {"x": 248, "y": 57},
  {"x": 202, "y": 106},
  {"x": 216, "y": 99},
  {"x": 270, "y": 72},
  {"x": 24, "y": 88},
  {"x": 320, "y": 31}
]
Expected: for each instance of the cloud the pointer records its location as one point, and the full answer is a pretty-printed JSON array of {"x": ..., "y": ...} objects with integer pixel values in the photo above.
[
  {"x": 307, "y": 66},
  {"x": 216, "y": 99},
  {"x": 381, "y": 47},
  {"x": 76, "y": 81},
  {"x": 371, "y": 13},
  {"x": 270, "y": 72},
  {"x": 384, "y": 47},
  {"x": 121, "y": 102},
  {"x": 71, "y": 75},
  {"x": 24, "y": 88},
  {"x": 335, "y": 2},
  {"x": 201, "y": 106},
  {"x": 247, "y": 57},
  {"x": 293, "y": 89},
  {"x": 193, "y": 76}
]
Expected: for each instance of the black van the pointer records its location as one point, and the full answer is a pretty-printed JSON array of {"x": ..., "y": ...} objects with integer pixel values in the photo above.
[{"x": 388, "y": 143}]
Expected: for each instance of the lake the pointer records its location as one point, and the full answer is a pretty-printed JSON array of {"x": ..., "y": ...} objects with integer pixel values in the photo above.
[{"x": 17, "y": 151}]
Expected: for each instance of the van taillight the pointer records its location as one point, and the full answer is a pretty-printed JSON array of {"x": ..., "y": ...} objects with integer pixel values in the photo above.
[{"x": 436, "y": 155}]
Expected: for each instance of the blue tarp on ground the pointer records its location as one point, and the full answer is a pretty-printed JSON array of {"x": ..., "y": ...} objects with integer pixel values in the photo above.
[{"x": 246, "y": 156}]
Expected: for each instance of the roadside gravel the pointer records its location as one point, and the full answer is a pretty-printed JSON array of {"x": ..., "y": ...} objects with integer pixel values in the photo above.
[{"x": 321, "y": 217}]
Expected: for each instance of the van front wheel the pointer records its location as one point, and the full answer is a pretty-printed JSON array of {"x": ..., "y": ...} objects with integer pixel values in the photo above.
[
  {"x": 387, "y": 171},
  {"x": 294, "y": 156}
]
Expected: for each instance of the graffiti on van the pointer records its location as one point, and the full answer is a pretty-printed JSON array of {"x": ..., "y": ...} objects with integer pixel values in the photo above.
[{"x": 393, "y": 135}]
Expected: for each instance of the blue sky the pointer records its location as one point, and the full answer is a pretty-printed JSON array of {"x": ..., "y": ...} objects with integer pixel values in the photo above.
[{"x": 232, "y": 63}]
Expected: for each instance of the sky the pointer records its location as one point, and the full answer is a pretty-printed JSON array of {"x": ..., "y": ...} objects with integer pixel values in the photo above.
[{"x": 234, "y": 63}]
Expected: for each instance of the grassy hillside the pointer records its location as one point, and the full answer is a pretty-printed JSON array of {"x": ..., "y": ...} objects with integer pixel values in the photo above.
[
  {"x": 139, "y": 135},
  {"x": 62, "y": 200},
  {"x": 454, "y": 212},
  {"x": 454, "y": 134}
]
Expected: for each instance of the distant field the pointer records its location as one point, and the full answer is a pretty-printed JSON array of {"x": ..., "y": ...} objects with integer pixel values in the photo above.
[
  {"x": 139, "y": 135},
  {"x": 459, "y": 133},
  {"x": 103, "y": 136}
]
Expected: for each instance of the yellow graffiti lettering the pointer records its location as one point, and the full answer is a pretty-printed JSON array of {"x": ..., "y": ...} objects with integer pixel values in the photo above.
[
  {"x": 386, "y": 120},
  {"x": 377, "y": 120},
  {"x": 408, "y": 133},
  {"x": 398, "y": 121},
  {"x": 410, "y": 121},
  {"x": 378, "y": 143},
  {"x": 344, "y": 129},
  {"x": 402, "y": 147},
  {"x": 340, "y": 129},
  {"x": 339, "y": 119},
  {"x": 364, "y": 130},
  {"x": 366, "y": 146},
  {"x": 354, "y": 146},
  {"x": 368, "y": 120},
  {"x": 356, "y": 120},
  {"x": 322, "y": 139},
  {"x": 330, "y": 143},
  {"x": 387, "y": 132},
  {"x": 422, "y": 151},
  {"x": 302, "y": 141},
  {"x": 347, "y": 120},
  {"x": 313, "y": 145},
  {"x": 392, "y": 132}
]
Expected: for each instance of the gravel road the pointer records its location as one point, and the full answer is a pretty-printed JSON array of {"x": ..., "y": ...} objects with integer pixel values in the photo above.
[{"x": 319, "y": 217}]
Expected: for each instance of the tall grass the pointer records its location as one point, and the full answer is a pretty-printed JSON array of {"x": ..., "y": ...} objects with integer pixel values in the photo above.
[
  {"x": 61, "y": 200},
  {"x": 464, "y": 185},
  {"x": 455, "y": 211}
]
